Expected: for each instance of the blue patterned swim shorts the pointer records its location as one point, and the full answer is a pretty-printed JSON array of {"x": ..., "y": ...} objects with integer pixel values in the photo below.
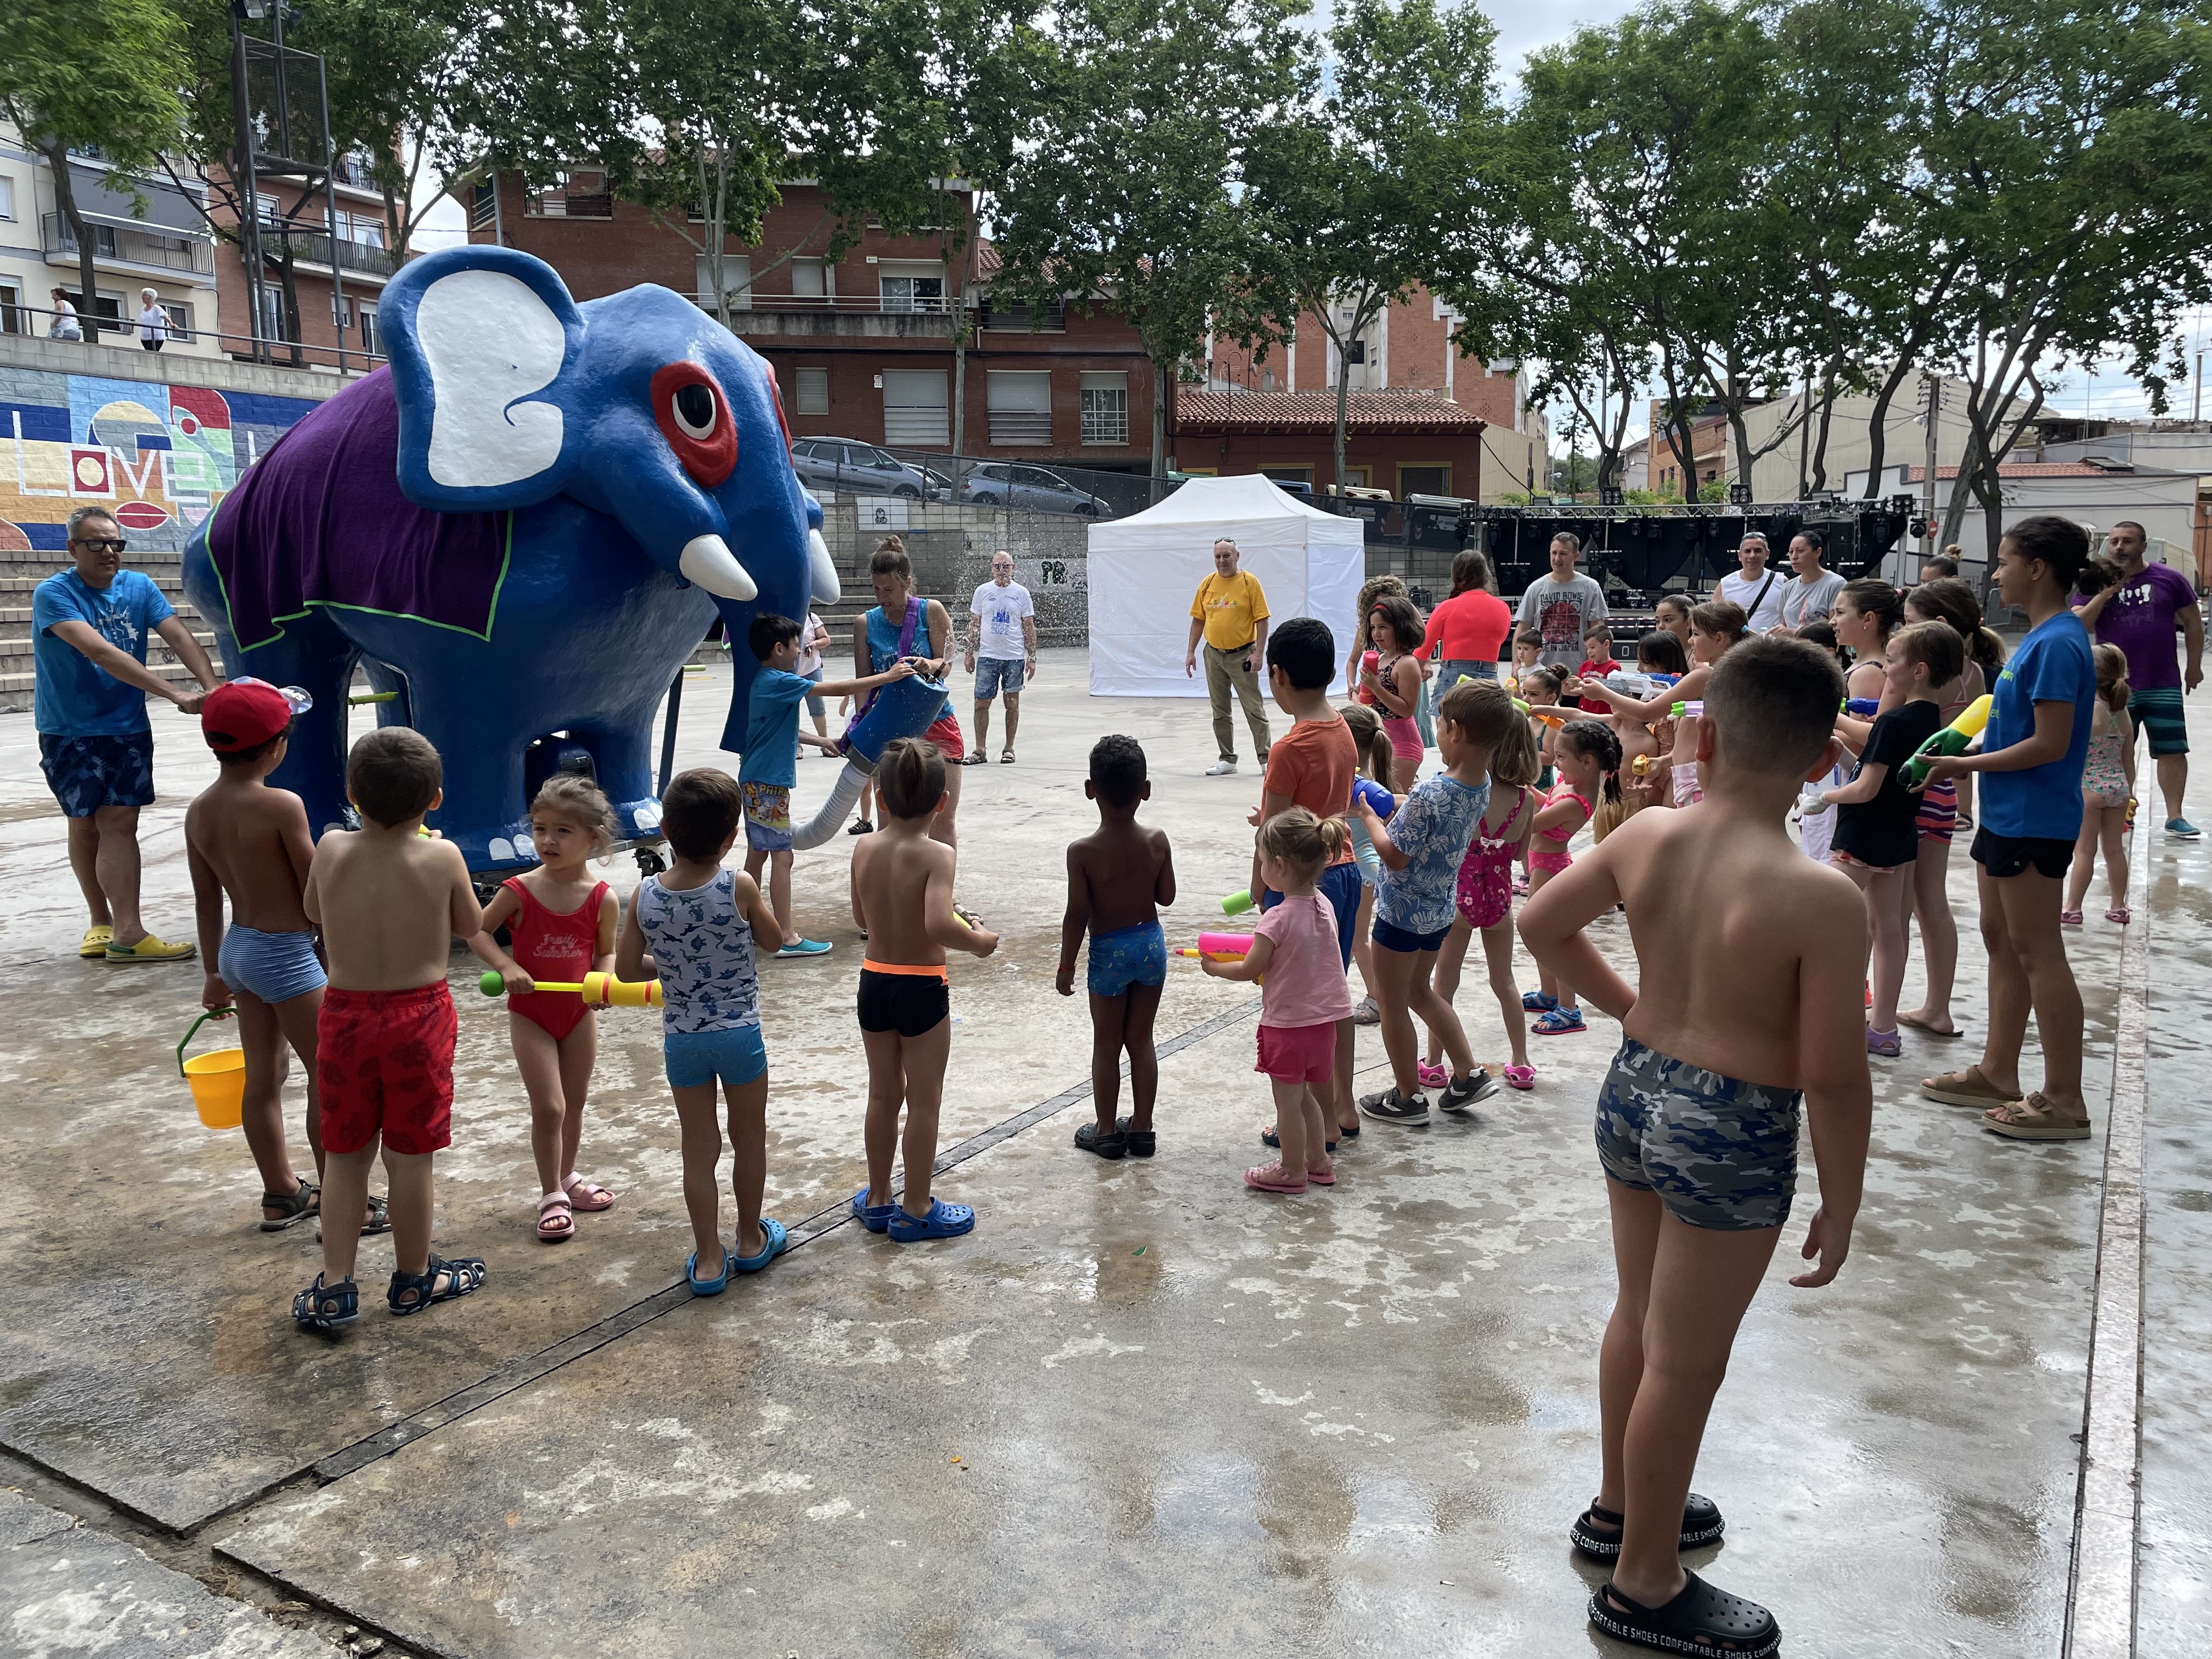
[
  {"x": 1126, "y": 956},
  {"x": 1718, "y": 1152}
]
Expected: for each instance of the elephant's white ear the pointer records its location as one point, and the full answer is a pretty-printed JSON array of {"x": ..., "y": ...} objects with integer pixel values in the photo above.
[{"x": 482, "y": 344}]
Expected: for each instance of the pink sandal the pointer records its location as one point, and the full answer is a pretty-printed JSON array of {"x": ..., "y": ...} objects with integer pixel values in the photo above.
[
  {"x": 1274, "y": 1178},
  {"x": 2120, "y": 914},
  {"x": 1519, "y": 1077},
  {"x": 1432, "y": 1077},
  {"x": 2070, "y": 918},
  {"x": 556, "y": 1220},
  {"x": 588, "y": 1196}
]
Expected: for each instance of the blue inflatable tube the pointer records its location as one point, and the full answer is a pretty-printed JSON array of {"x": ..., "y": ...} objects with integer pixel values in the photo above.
[{"x": 904, "y": 708}]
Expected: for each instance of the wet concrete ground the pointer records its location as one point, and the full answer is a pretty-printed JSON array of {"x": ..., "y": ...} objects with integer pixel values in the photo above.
[{"x": 1185, "y": 1418}]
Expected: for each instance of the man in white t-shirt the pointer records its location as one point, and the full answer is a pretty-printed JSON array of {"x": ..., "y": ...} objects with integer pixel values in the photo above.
[
  {"x": 1810, "y": 595},
  {"x": 1562, "y": 605},
  {"x": 1754, "y": 588},
  {"x": 1001, "y": 650}
]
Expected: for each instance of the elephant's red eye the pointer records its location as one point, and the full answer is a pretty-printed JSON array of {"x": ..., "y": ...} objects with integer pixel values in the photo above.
[{"x": 692, "y": 414}]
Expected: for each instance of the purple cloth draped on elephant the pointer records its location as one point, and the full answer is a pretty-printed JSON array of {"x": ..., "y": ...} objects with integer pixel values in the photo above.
[{"x": 320, "y": 520}]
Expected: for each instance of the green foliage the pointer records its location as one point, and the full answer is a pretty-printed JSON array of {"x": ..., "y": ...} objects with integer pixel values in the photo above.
[
  {"x": 1126, "y": 188},
  {"x": 1357, "y": 185}
]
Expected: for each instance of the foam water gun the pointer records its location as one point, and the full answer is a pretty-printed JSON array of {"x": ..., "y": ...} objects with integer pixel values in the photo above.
[
  {"x": 598, "y": 990},
  {"x": 1220, "y": 947},
  {"x": 1686, "y": 711},
  {"x": 360, "y": 697},
  {"x": 1861, "y": 708},
  {"x": 1236, "y": 903},
  {"x": 1951, "y": 740},
  {"x": 1553, "y": 720}
]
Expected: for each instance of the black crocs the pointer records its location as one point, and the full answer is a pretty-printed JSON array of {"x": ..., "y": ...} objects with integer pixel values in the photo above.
[
  {"x": 412, "y": 1292},
  {"x": 1701, "y": 1524},
  {"x": 1142, "y": 1143},
  {"x": 1700, "y": 1619},
  {"x": 1108, "y": 1147},
  {"x": 326, "y": 1307}
]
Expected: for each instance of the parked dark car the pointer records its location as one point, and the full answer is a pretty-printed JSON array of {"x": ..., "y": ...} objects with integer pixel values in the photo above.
[
  {"x": 855, "y": 468},
  {"x": 1028, "y": 489}
]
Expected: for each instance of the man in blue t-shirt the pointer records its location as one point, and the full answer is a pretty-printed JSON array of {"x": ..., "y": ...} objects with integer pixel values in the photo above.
[
  {"x": 770, "y": 767},
  {"x": 2033, "y": 751},
  {"x": 89, "y": 627}
]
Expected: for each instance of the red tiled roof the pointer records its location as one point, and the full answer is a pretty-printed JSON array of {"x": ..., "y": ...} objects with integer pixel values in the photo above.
[
  {"x": 2022, "y": 470},
  {"x": 1398, "y": 409}
]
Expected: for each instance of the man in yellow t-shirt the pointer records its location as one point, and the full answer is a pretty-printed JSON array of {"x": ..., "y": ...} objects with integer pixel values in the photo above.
[{"x": 1231, "y": 614}]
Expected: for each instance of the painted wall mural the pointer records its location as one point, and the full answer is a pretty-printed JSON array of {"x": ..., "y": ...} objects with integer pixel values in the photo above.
[{"x": 161, "y": 456}]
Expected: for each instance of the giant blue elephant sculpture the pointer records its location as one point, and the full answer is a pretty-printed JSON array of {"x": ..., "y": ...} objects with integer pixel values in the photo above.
[{"x": 522, "y": 527}]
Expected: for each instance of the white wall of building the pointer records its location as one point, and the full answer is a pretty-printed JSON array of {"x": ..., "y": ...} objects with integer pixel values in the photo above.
[{"x": 2164, "y": 503}]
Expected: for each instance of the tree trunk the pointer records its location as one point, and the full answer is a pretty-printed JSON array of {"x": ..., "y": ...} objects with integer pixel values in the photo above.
[
  {"x": 960, "y": 372},
  {"x": 1878, "y": 427},
  {"x": 1160, "y": 373},
  {"x": 1343, "y": 411},
  {"x": 1819, "y": 464},
  {"x": 55, "y": 151}
]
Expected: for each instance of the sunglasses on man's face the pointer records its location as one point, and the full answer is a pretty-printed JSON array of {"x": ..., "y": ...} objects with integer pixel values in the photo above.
[{"x": 103, "y": 543}]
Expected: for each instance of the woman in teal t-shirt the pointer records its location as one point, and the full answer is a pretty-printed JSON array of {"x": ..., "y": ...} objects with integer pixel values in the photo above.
[{"x": 2033, "y": 752}]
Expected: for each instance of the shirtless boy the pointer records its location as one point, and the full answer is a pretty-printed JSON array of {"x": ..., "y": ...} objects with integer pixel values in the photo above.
[
  {"x": 249, "y": 843},
  {"x": 902, "y": 902},
  {"x": 390, "y": 901},
  {"x": 1699, "y": 1140},
  {"x": 1117, "y": 877}
]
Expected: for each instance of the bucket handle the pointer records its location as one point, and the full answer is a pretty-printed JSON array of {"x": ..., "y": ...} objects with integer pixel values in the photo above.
[{"x": 212, "y": 1013}]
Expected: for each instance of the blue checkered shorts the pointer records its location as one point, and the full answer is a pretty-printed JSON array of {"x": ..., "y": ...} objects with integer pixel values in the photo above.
[
  {"x": 1719, "y": 1153},
  {"x": 86, "y": 773}
]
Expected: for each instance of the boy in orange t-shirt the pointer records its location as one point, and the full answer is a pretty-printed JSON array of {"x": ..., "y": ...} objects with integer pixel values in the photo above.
[{"x": 1313, "y": 765}]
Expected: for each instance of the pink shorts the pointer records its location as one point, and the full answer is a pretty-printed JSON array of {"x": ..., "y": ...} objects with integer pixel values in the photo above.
[{"x": 1297, "y": 1053}]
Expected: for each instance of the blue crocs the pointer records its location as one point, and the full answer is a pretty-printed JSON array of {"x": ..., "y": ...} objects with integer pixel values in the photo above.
[
  {"x": 944, "y": 1221},
  {"x": 714, "y": 1286},
  {"x": 774, "y": 1241},
  {"x": 874, "y": 1217}
]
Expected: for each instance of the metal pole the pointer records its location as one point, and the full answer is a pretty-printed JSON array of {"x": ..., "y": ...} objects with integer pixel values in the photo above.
[
  {"x": 668, "y": 731},
  {"x": 249, "y": 227},
  {"x": 330, "y": 209}
]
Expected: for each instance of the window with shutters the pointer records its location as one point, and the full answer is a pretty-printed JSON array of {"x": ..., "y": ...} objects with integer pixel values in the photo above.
[
  {"x": 1105, "y": 408},
  {"x": 806, "y": 281},
  {"x": 737, "y": 281},
  {"x": 1020, "y": 406},
  {"x": 914, "y": 409},
  {"x": 810, "y": 392}
]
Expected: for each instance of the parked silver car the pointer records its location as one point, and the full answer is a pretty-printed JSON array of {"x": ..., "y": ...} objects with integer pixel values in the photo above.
[
  {"x": 854, "y": 468},
  {"x": 1028, "y": 489}
]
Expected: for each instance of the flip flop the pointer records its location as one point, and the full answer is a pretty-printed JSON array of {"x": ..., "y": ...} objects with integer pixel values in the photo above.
[
  {"x": 1966, "y": 1088},
  {"x": 588, "y": 1197},
  {"x": 2033, "y": 1119},
  {"x": 557, "y": 1217},
  {"x": 1926, "y": 1029},
  {"x": 774, "y": 1241}
]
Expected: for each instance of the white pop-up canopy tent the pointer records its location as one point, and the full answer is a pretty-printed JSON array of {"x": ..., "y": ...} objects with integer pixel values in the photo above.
[{"x": 1146, "y": 569}]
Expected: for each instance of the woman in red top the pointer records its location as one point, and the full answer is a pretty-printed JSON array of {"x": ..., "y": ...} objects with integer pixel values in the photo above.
[
  {"x": 1470, "y": 626},
  {"x": 560, "y": 927}
]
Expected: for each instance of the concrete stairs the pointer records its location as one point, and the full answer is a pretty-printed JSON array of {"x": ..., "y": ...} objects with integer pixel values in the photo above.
[{"x": 21, "y": 570}]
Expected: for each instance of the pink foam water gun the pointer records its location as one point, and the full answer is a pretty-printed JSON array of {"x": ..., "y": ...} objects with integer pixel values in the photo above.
[{"x": 1220, "y": 947}]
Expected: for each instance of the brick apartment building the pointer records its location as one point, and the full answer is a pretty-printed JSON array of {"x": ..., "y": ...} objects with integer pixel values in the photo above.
[
  {"x": 862, "y": 345},
  {"x": 1424, "y": 418},
  {"x": 296, "y": 220}
]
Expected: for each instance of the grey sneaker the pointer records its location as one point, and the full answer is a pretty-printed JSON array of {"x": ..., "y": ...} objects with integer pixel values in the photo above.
[
  {"x": 1221, "y": 769},
  {"x": 1395, "y": 1108},
  {"x": 1461, "y": 1093}
]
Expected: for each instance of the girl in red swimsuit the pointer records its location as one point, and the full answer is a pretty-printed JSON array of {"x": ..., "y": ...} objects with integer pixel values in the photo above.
[{"x": 561, "y": 926}]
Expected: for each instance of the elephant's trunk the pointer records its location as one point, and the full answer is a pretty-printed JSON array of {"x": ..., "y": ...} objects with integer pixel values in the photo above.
[
  {"x": 835, "y": 811},
  {"x": 904, "y": 708}
]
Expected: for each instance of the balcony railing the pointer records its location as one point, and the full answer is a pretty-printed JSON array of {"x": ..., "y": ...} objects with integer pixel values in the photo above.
[
  {"x": 313, "y": 247},
  {"x": 549, "y": 204},
  {"x": 148, "y": 248},
  {"x": 1048, "y": 320}
]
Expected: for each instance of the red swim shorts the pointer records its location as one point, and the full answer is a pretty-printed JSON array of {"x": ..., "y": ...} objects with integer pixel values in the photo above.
[
  {"x": 945, "y": 733},
  {"x": 384, "y": 1065},
  {"x": 1297, "y": 1053}
]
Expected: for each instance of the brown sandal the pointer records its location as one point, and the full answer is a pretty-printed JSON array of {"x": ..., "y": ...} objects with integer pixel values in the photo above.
[
  {"x": 2034, "y": 1118},
  {"x": 1966, "y": 1088}
]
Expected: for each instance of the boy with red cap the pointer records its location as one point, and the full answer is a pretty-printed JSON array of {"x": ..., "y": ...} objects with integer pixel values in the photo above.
[{"x": 250, "y": 843}]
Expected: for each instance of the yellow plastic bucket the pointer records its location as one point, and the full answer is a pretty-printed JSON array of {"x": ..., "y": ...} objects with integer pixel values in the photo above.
[{"x": 217, "y": 1079}]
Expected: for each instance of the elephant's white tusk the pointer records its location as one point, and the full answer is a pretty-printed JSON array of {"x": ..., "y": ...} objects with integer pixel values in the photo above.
[
  {"x": 709, "y": 563},
  {"x": 826, "y": 588}
]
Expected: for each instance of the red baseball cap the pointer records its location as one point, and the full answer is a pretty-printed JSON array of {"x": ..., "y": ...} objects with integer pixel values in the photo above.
[{"x": 245, "y": 713}]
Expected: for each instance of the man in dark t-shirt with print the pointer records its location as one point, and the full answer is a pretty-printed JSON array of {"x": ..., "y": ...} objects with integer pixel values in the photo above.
[{"x": 2140, "y": 615}]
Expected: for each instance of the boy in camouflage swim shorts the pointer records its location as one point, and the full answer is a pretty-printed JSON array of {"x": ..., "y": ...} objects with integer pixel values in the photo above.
[{"x": 1753, "y": 1006}]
